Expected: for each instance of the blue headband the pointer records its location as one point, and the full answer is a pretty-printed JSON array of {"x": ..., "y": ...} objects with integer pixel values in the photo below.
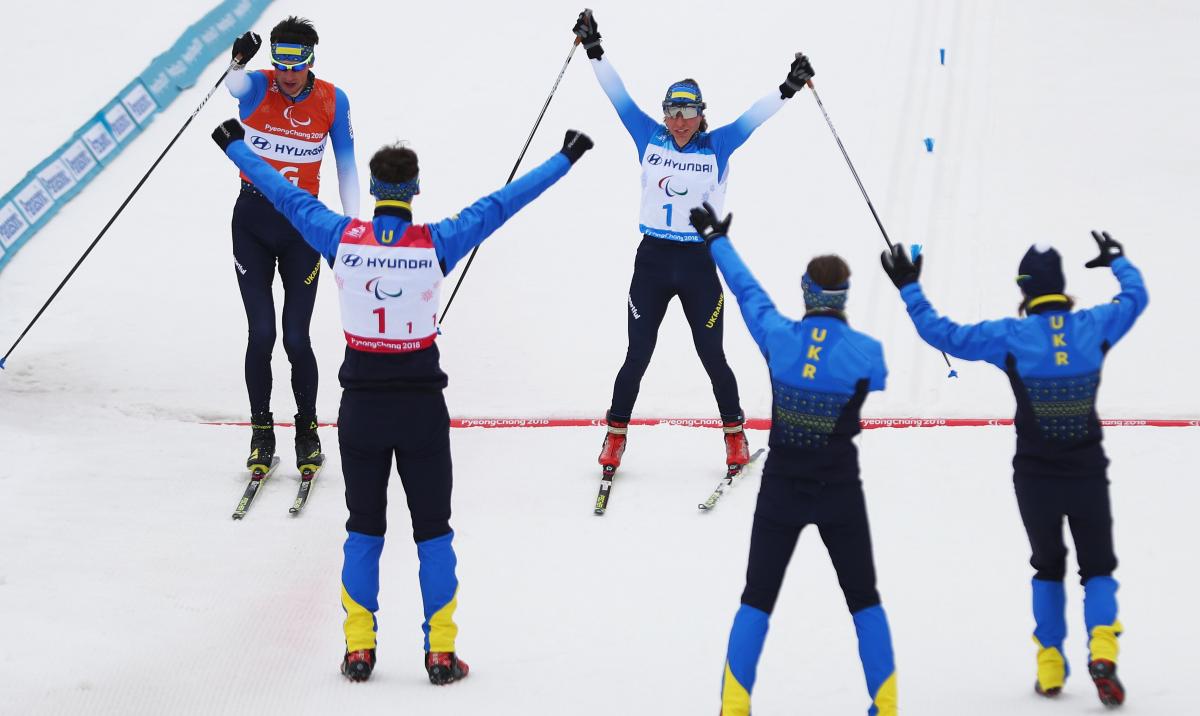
[
  {"x": 815, "y": 296},
  {"x": 400, "y": 191}
]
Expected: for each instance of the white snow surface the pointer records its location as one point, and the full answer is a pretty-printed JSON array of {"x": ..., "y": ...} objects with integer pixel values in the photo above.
[{"x": 126, "y": 588}]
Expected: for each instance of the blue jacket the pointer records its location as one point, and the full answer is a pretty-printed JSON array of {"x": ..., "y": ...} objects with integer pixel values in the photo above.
[
  {"x": 821, "y": 372},
  {"x": 452, "y": 238},
  {"x": 1053, "y": 359}
]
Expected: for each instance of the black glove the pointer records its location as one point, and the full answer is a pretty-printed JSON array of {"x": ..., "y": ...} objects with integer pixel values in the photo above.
[
  {"x": 589, "y": 34},
  {"x": 800, "y": 72},
  {"x": 707, "y": 225},
  {"x": 900, "y": 268},
  {"x": 1110, "y": 250},
  {"x": 575, "y": 144},
  {"x": 228, "y": 132},
  {"x": 245, "y": 47}
]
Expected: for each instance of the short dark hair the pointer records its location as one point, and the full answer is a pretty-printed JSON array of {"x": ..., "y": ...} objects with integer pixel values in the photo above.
[
  {"x": 298, "y": 30},
  {"x": 829, "y": 271},
  {"x": 394, "y": 164}
]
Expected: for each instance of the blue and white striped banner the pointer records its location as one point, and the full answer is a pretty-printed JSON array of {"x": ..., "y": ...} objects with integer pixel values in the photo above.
[{"x": 30, "y": 205}]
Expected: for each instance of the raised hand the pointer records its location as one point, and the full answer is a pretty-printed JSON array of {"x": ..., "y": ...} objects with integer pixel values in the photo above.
[
  {"x": 899, "y": 267},
  {"x": 1110, "y": 250}
]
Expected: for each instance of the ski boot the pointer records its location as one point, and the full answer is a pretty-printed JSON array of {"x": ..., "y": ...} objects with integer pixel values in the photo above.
[
  {"x": 1104, "y": 673},
  {"x": 308, "y": 445},
  {"x": 358, "y": 665},
  {"x": 262, "y": 442},
  {"x": 614, "y": 443},
  {"x": 445, "y": 667},
  {"x": 737, "y": 449}
]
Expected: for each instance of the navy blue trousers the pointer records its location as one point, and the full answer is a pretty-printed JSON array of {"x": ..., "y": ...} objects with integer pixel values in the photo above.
[
  {"x": 837, "y": 509},
  {"x": 1045, "y": 501},
  {"x": 662, "y": 270},
  {"x": 262, "y": 238},
  {"x": 413, "y": 428}
]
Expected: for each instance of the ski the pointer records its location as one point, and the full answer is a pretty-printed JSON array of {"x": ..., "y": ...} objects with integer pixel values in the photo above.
[
  {"x": 605, "y": 487},
  {"x": 308, "y": 473},
  {"x": 257, "y": 478},
  {"x": 733, "y": 472}
]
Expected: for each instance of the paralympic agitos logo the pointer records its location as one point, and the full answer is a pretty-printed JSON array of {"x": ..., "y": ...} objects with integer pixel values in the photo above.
[
  {"x": 665, "y": 185},
  {"x": 374, "y": 286}
]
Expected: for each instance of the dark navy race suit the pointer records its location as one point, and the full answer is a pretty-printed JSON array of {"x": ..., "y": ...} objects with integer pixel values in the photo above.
[
  {"x": 821, "y": 372},
  {"x": 392, "y": 404},
  {"x": 1053, "y": 359}
]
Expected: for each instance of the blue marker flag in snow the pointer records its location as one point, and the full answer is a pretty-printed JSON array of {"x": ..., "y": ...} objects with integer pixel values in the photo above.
[
  {"x": 942, "y": 55},
  {"x": 929, "y": 144}
]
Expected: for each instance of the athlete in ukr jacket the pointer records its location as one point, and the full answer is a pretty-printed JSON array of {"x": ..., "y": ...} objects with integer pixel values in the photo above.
[
  {"x": 821, "y": 371},
  {"x": 683, "y": 165},
  {"x": 291, "y": 116},
  {"x": 389, "y": 274},
  {"x": 1053, "y": 357}
]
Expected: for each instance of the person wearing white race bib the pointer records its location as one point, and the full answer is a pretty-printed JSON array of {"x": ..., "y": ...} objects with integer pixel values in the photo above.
[
  {"x": 389, "y": 274},
  {"x": 683, "y": 166}
]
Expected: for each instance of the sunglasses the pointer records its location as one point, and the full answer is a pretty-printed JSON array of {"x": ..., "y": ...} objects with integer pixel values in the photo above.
[
  {"x": 293, "y": 66},
  {"x": 685, "y": 111}
]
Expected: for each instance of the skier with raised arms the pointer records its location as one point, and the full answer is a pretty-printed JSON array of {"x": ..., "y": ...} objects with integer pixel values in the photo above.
[
  {"x": 389, "y": 274},
  {"x": 1053, "y": 358},
  {"x": 290, "y": 115},
  {"x": 821, "y": 371},
  {"x": 683, "y": 165}
]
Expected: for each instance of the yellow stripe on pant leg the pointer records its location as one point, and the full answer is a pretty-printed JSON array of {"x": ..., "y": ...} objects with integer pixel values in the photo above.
[
  {"x": 886, "y": 699},
  {"x": 1103, "y": 644},
  {"x": 1051, "y": 667},
  {"x": 359, "y": 625},
  {"x": 735, "y": 700},
  {"x": 442, "y": 629}
]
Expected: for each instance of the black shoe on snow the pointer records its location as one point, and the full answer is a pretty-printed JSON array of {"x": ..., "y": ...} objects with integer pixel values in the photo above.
[
  {"x": 358, "y": 665},
  {"x": 445, "y": 667},
  {"x": 262, "y": 442},
  {"x": 308, "y": 445},
  {"x": 1104, "y": 674}
]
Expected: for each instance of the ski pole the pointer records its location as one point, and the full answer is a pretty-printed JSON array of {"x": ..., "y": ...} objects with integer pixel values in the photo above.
[
  {"x": 121, "y": 208},
  {"x": 861, "y": 188},
  {"x": 513, "y": 173}
]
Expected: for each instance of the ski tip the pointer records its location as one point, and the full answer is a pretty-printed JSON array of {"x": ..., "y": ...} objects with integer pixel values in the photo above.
[{"x": 238, "y": 515}]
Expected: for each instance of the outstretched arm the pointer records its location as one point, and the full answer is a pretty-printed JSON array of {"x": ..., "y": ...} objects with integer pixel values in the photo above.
[
  {"x": 341, "y": 133},
  {"x": 321, "y": 228},
  {"x": 1118, "y": 316},
  {"x": 758, "y": 311},
  {"x": 728, "y": 138},
  {"x": 454, "y": 237},
  {"x": 639, "y": 124},
  {"x": 987, "y": 341}
]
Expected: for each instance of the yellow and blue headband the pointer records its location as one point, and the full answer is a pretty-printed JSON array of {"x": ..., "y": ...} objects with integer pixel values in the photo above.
[
  {"x": 395, "y": 191},
  {"x": 287, "y": 56},
  {"x": 817, "y": 296}
]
